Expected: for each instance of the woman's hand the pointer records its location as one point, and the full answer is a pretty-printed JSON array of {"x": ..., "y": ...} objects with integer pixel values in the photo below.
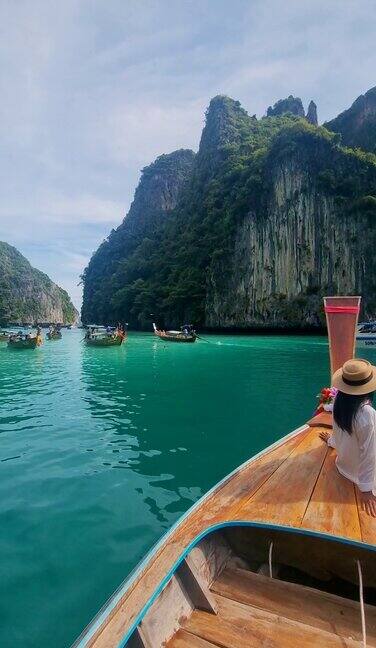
[
  {"x": 325, "y": 436},
  {"x": 368, "y": 502}
]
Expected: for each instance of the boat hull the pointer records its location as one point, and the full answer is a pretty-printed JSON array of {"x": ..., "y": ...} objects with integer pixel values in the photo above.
[
  {"x": 118, "y": 341},
  {"x": 176, "y": 338},
  {"x": 23, "y": 344},
  {"x": 54, "y": 336},
  {"x": 365, "y": 340}
]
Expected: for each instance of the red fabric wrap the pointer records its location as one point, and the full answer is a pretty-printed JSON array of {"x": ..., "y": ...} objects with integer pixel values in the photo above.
[{"x": 349, "y": 310}]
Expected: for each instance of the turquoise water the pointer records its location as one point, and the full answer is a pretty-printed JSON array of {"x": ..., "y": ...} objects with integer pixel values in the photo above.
[{"x": 102, "y": 449}]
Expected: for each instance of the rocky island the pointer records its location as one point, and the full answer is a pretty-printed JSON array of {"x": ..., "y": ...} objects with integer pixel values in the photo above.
[
  {"x": 270, "y": 215},
  {"x": 28, "y": 295}
]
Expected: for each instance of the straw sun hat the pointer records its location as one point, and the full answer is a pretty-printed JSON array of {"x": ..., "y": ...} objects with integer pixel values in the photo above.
[{"x": 355, "y": 377}]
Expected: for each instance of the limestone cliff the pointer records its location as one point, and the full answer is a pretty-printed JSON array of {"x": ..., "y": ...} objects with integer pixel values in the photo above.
[
  {"x": 312, "y": 113},
  {"x": 269, "y": 216},
  {"x": 357, "y": 124},
  {"x": 155, "y": 198},
  {"x": 301, "y": 243},
  {"x": 28, "y": 295}
]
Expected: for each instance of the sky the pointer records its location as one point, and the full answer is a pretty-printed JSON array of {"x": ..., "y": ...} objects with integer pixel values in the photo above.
[{"x": 94, "y": 90}]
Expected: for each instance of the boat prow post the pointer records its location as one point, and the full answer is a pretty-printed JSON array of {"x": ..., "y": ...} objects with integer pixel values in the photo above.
[{"x": 342, "y": 318}]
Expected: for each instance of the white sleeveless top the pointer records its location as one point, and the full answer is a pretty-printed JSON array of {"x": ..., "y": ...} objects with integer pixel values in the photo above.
[{"x": 356, "y": 452}]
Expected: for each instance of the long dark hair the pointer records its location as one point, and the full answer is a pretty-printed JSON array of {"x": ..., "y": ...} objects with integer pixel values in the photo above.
[{"x": 346, "y": 407}]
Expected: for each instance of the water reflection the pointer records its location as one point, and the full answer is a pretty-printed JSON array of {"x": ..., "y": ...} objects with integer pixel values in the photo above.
[{"x": 127, "y": 395}]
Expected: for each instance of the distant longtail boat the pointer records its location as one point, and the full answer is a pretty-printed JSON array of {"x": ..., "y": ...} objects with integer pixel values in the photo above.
[
  {"x": 175, "y": 336},
  {"x": 54, "y": 334},
  {"x": 276, "y": 554},
  {"x": 100, "y": 336}
]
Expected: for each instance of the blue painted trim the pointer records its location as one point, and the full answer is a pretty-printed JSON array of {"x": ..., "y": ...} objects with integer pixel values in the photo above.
[{"x": 223, "y": 525}]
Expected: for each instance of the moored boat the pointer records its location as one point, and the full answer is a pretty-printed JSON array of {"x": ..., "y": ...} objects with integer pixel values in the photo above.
[
  {"x": 25, "y": 341},
  {"x": 100, "y": 336},
  {"x": 276, "y": 554},
  {"x": 366, "y": 334},
  {"x": 5, "y": 335},
  {"x": 186, "y": 334},
  {"x": 54, "y": 333}
]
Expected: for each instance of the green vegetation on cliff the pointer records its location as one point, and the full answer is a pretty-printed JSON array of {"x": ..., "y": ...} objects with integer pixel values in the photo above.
[
  {"x": 28, "y": 295},
  {"x": 125, "y": 255},
  {"x": 291, "y": 105},
  {"x": 357, "y": 124},
  {"x": 246, "y": 174},
  {"x": 165, "y": 273}
]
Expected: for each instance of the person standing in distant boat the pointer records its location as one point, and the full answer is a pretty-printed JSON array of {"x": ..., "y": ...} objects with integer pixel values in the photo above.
[
  {"x": 354, "y": 428},
  {"x": 187, "y": 329}
]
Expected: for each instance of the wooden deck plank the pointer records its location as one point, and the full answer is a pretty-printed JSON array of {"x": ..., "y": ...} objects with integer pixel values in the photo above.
[
  {"x": 240, "y": 626},
  {"x": 324, "y": 419},
  {"x": 333, "y": 507},
  {"x": 185, "y": 639},
  {"x": 263, "y": 469},
  {"x": 217, "y": 508},
  {"x": 284, "y": 497},
  {"x": 296, "y": 602},
  {"x": 367, "y": 523}
]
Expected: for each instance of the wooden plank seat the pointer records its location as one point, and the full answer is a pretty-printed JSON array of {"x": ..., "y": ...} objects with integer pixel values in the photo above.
[
  {"x": 244, "y": 626},
  {"x": 185, "y": 639},
  {"x": 312, "y": 607},
  {"x": 256, "y": 611}
]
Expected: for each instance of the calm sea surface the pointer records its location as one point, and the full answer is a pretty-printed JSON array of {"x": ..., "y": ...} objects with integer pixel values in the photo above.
[{"x": 102, "y": 449}]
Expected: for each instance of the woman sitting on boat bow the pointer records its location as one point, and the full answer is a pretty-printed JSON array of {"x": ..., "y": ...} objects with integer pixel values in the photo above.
[{"x": 354, "y": 428}]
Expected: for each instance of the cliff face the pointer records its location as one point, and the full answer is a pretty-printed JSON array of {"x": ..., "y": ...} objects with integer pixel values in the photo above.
[
  {"x": 312, "y": 113},
  {"x": 155, "y": 197},
  {"x": 28, "y": 295},
  {"x": 301, "y": 244},
  {"x": 357, "y": 125},
  {"x": 227, "y": 124},
  {"x": 268, "y": 217}
]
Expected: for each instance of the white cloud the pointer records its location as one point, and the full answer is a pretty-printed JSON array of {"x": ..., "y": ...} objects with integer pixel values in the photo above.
[
  {"x": 139, "y": 132},
  {"x": 56, "y": 210},
  {"x": 83, "y": 209}
]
